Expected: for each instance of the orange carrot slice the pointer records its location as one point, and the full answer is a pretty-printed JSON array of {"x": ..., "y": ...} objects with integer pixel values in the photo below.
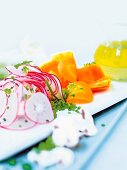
[
  {"x": 101, "y": 84},
  {"x": 90, "y": 73},
  {"x": 96, "y": 71},
  {"x": 79, "y": 93},
  {"x": 84, "y": 74}
]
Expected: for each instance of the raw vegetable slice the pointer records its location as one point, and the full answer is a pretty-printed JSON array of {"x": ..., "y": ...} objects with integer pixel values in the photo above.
[
  {"x": 79, "y": 92},
  {"x": 21, "y": 123},
  {"x": 22, "y": 70},
  {"x": 15, "y": 71},
  {"x": 3, "y": 101},
  {"x": 10, "y": 113},
  {"x": 38, "y": 108},
  {"x": 89, "y": 73},
  {"x": 101, "y": 84},
  {"x": 52, "y": 81}
]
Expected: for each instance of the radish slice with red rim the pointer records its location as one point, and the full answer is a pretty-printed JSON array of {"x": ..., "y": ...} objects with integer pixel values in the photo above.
[
  {"x": 19, "y": 71},
  {"x": 38, "y": 108},
  {"x": 52, "y": 80},
  {"x": 3, "y": 101},
  {"x": 15, "y": 71},
  {"x": 21, "y": 123},
  {"x": 10, "y": 113}
]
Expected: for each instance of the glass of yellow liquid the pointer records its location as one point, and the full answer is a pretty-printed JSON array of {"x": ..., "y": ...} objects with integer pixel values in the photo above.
[{"x": 112, "y": 55}]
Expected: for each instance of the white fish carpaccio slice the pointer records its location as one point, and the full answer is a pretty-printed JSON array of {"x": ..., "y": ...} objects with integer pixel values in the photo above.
[
  {"x": 21, "y": 123},
  {"x": 38, "y": 108},
  {"x": 10, "y": 113},
  {"x": 3, "y": 101}
]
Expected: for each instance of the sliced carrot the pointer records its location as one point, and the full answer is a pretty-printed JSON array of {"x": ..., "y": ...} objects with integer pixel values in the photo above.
[
  {"x": 96, "y": 71},
  {"x": 90, "y": 73},
  {"x": 49, "y": 66},
  {"x": 79, "y": 92},
  {"x": 68, "y": 71},
  {"x": 84, "y": 74},
  {"x": 101, "y": 84}
]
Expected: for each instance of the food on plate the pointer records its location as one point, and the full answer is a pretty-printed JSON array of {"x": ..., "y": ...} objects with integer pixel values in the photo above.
[
  {"x": 67, "y": 130},
  {"x": 89, "y": 73},
  {"x": 26, "y": 97},
  {"x": 30, "y": 97},
  {"x": 90, "y": 77},
  {"x": 46, "y": 159},
  {"x": 79, "y": 92},
  {"x": 112, "y": 58},
  {"x": 62, "y": 65}
]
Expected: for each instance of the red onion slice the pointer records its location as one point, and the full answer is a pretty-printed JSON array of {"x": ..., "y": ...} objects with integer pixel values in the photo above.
[
  {"x": 10, "y": 113},
  {"x": 38, "y": 108}
]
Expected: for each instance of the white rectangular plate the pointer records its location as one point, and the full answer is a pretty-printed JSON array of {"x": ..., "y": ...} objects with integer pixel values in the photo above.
[
  {"x": 12, "y": 142},
  {"x": 105, "y": 99}
]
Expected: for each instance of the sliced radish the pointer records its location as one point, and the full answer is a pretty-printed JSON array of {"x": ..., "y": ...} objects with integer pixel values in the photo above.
[
  {"x": 21, "y": 123},
  {"x": 38, "y": 108},
  {"x": 15, "y": 71},
  {"x": 3, "y": 101},
  {"x": 10, "y": 113},
  {"x": 52, "y": 80},
  {"x": 19, "y": 71}
]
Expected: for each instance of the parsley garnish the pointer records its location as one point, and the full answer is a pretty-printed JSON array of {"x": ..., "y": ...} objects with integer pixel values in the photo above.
[
  {"x": 103, "y": 125},
  {"x": 12, "y": 77},
  {"x": 25, "y": 69},
  {"x": 48, "y": 144},
  {"x": 60, "y": 104},
  {"x": 12, "y": 162},
  {"x": 26, "y": 166},
  {"x": 8, "y": 91}
]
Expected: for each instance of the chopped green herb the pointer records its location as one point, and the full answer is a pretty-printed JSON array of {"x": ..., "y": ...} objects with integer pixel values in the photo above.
[
  {"x": 31, "y": 90},
  {"x": 50, "y": 89},
  {"x": 22, "y": 63},
  {"x": 71, "y": 85},
  {"x": 65, "y": 93},
  {"x": 25, "y": 69},
  {"x": 60, "y": 104},
  {"x": 8, "y": 91},
  {"x": 45, "y": 145},
  {"x": 12, "y": 162},
  {"x": 27, "y": 88},
  {"x": 26, "y": 166},
  {"x": 25, "y": 97},
  {"x": 73, "y": 95},
  {"x": 81, "y": 88},
  {"x": 12, "y": 77},
  {"x": 103, "y": 125}
]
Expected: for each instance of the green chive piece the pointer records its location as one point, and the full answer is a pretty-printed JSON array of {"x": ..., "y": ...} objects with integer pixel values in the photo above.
[
  {"x": 8, "y": 91},
  {"x": 26, "y": 166},
  {"x": 12, "y": 162},
  {"x": 23, "y": 63},
  {"x": 25, "y": 69}
]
